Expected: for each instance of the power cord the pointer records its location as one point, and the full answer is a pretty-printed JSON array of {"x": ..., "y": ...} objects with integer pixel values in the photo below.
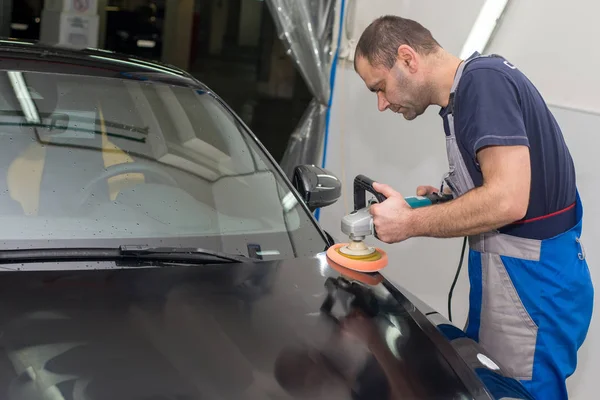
[{"x": 460, "y": 263}]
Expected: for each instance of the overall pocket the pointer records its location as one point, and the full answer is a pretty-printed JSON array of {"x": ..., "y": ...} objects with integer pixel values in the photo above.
[{"x": 507, "y": 330}]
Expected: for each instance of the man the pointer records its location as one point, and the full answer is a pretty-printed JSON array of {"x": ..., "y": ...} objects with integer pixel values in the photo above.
[{"x": 515, "y": 197}]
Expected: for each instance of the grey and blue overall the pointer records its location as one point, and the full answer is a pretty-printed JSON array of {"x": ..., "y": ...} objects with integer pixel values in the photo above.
[{"x": 531, "y": 294}]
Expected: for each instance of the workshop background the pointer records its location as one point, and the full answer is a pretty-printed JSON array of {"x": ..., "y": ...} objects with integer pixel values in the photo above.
[
  {"x": 257, "y": 56},
  {"x": 553, "y": 43}
]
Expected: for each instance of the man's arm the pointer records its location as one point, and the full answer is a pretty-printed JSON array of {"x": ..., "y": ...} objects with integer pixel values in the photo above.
[{"x": 502, "y": 199}]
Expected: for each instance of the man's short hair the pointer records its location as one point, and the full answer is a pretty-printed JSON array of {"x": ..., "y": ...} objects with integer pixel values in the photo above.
[{"x": 380, "y": 41}]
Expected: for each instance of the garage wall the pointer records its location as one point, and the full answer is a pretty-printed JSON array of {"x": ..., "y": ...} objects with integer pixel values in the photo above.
[
  {"x": 560, "y": 60},
  {"x": 558, "y": 53}
]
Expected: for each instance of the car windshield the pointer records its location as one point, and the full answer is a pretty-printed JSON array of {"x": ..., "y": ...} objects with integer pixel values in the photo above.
[{"x": 90, "y": 161}]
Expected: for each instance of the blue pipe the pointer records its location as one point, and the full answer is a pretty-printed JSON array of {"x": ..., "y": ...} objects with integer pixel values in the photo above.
[{"x": 331, "y": 87}]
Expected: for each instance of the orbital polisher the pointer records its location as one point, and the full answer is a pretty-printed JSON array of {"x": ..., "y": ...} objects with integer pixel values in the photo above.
[{"x": 356, "y": 255}]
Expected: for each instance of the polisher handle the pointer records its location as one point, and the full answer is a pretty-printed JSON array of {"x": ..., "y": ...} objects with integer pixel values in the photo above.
[{"x": 362, "y": 185}]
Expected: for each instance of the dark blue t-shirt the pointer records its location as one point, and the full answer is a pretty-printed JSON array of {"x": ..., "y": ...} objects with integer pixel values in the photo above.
[{"x": 496, "y": 104}]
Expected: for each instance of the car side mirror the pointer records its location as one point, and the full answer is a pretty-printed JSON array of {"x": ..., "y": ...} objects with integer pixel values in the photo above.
[{"x": 317, "y": 186}]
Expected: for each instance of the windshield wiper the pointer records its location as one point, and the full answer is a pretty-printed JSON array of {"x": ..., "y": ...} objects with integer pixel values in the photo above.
[
  {"x": 180, "y": 252},
  {"x": 130, "y": 253}
]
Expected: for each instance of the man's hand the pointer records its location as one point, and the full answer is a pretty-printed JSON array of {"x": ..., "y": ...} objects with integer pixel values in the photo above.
[
  {"x": 391, "y": 217},
  {"x": 425, "y": 190}
]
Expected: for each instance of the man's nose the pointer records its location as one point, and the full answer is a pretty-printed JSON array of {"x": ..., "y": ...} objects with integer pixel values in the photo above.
[{"x": 382, "y": 103}]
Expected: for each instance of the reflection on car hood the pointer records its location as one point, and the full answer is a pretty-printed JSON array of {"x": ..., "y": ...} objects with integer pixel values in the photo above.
[{"x": 235, "y": 331}]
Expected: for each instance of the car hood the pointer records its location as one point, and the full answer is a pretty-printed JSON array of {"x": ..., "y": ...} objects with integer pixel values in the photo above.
[{"x": 233, "y": 331}]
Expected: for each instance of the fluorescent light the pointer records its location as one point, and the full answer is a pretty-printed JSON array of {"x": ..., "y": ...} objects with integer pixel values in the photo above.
[
  {"x": 483, "y": 27},
  {"x": 19, "y": 27},
  {"x": 22, "y": 94},
  {"x": 149, "y": 44},
  {"x": 268, "y": 253},
  {"x": 289, "y": 202}
]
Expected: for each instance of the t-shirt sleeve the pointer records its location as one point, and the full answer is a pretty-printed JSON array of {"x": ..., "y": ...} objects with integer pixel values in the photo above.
[{"x": 488, "y": 112}]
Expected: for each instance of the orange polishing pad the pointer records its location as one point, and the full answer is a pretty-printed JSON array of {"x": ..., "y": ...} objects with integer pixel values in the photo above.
[
  {"x": 371, "y": 278},
  {"x": 357, "y": 265}
]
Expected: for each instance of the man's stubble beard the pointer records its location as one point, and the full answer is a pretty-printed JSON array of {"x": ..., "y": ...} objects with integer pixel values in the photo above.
[{"x": 422, "y": 97}]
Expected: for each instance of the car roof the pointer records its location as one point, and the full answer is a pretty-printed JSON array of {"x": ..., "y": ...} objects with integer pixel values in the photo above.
[{"x": 35, "y": 56}]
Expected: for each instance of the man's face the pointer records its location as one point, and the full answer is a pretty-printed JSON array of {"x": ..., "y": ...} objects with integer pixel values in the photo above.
[{"x": 398, "y": 88}]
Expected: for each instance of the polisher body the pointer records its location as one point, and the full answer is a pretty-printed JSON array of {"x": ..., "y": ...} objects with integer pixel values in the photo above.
[{"x": 356, "y": 255}]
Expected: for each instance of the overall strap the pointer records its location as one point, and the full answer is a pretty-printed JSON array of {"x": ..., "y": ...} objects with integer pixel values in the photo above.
[
  {"x": 459, "y": 73},
  {"x": 458, "y": 178}
]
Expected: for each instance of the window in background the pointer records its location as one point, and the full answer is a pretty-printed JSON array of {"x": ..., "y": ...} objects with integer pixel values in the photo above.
[
  {"x": 26, "y": 19},
  {"x": 135, "y": 27}
]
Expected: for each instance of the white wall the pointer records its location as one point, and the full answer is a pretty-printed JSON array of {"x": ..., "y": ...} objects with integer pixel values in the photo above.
[
  {"x": 559, "y": 52},
  {"x": 559, "y": 58}
]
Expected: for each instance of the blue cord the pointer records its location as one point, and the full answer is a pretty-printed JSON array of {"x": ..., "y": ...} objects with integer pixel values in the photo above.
[{"x": 331, "y": 87}]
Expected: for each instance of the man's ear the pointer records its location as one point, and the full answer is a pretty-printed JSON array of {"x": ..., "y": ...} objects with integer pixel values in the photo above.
[{"x": 408, "y": 58}]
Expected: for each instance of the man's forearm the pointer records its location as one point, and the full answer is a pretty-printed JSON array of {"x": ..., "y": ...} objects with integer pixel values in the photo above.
[{"x": 479, "y": 210}]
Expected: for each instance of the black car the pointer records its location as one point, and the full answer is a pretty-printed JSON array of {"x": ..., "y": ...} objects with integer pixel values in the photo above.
[{"x": 150, "y": 248}]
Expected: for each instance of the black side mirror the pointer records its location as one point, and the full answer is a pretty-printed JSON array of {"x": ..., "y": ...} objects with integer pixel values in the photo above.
[{"x": 317, "y": 186}]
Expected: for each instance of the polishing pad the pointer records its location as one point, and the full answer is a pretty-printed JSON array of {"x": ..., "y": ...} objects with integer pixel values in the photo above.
[
  {"x": 369, "y": 278},
  {"x": 371, "y": 263}
]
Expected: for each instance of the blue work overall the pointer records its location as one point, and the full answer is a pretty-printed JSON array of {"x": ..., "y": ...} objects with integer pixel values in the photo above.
[{"x": 530, "y": 300}]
